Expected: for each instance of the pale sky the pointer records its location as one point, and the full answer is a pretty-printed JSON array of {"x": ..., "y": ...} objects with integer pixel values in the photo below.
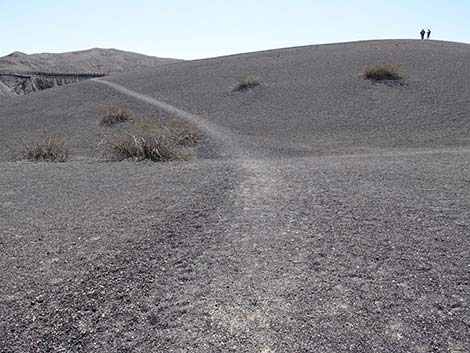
[{"x": 187, "y": 29}]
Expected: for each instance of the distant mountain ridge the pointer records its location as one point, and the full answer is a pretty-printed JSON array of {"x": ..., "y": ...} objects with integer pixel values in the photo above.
[{"x": 92, "y": 60}]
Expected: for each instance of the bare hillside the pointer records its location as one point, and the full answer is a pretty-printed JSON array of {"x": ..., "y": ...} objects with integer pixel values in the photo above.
[
  {"x": 312, "y": 100},
  {"x": 315, "y": 99},
  {"x": 92, "y": 60},
  {"x": 328, "y": 213}
]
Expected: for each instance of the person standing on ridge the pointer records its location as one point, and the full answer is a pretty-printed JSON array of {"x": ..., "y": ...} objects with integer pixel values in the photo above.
[
  {"x": 423, "y": 32},
  {"x": 429, "y": 33}
]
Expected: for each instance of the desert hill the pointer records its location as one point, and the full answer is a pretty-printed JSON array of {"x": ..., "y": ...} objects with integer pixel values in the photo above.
[
  {"x": 22, "y": 74},
  {"x": 311, "y": 100},
  {"x": 92, "y": 60},
  {"x": 314, "y": 97},
  {"x": 328, "y": 213}
]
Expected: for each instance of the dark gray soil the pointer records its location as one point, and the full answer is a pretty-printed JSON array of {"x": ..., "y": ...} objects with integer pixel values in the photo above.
[
  {"x": 321, "y": 216},
  {"x": 73, "y": 113},
  {"x": 313, "y": 100}
]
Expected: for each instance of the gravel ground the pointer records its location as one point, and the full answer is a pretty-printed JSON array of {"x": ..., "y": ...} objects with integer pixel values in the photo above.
[
  {"x": 365, "y": 253},
  {"x": 264, "y": 247}
]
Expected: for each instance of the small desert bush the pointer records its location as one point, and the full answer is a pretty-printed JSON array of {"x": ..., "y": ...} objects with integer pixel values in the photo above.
[
  {"x": 185, "y": 136},
  {"x": 114, "y": 114},
  {"x": 48, "y": 149},
  {"x": 181, "y": 133},
  {"x": 142, "y": 142},
  {"x": 383, "y": 72},
  {"x": 247, "y": 83}
]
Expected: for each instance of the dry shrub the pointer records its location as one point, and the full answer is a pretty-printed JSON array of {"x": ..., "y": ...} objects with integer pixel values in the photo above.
[
  {"x": 143, "y": 142},
  {"x": 247, "y": 83},
  {"x": 185, "y": 136},
  {"x": 383, "y": 72},
  {"x": 48, "y": 148},
  {"x": 114, "y": 114},
  {"x": 186, "y": 139}
]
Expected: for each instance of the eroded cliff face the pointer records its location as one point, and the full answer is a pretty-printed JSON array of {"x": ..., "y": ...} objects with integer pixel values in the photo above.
[{"x": 12, "y": 84}]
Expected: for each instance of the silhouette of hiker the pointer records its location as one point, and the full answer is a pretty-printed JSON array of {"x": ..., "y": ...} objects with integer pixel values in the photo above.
[
  {"x": 429, "y": 33},
  {"x": 423, "y": 32}
]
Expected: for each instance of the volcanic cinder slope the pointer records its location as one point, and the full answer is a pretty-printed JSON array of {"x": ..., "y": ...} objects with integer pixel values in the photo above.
[
  {"x": 330, "y": 214},
  {"x": 92, "y": 60}
]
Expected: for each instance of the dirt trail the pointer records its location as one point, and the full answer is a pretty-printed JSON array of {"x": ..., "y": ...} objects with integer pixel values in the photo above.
[
  {"x": 215, "y": 132},
  {"x": 257, "y": 300},
  {"x": 284, "y": 267},
  {"x": 250, "y": 300},
  {"x": 248, "y": 253}
]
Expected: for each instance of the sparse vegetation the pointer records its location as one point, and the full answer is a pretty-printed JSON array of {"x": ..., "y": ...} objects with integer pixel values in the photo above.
[
  {"x": 186, "y": 136},
  {"x": 48, "y": 148},
  {"x": 114, "y": 114},
  {"x": 383, "y": 73},
  {"x": 247, "y": 83},
  {"x": 144, "y": 142},
  {"x": 149, "y": 138}
]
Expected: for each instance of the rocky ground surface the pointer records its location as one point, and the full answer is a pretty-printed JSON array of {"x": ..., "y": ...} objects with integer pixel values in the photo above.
[{"x": 343, "y": 254}]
